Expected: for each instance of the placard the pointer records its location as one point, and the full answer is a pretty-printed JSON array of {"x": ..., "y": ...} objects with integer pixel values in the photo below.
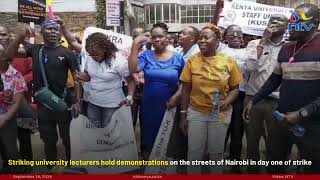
[
  {"x": 251, "y": 17},
  {"x": 31, "y": 11}
]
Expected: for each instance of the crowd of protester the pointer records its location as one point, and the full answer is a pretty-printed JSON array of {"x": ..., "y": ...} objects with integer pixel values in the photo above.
[{"x": 250, "y": 78}]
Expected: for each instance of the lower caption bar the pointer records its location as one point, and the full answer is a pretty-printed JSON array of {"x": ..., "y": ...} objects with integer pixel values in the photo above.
[{"x": 173, "y": 177}]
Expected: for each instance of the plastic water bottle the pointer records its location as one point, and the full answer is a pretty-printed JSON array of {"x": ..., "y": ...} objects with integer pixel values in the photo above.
[
  {"x": 297, "y": 130},
  {"x": 215, "y": 103}
]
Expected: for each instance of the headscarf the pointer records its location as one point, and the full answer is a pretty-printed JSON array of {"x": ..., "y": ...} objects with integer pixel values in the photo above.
[{"x": 49, "y": 22}]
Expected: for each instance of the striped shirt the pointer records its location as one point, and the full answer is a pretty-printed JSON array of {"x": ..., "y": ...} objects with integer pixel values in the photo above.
[{"x": 300, "y": 80}]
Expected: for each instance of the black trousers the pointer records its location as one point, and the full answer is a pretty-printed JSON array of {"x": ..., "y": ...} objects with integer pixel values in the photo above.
[
  {"x": 24, "y": 137},
  {"x": 135, "y": 110},
  {"x": 236, "y": 128},
  {"x": 48, "y": 121},
  {"x": 178, "y": 142},
  {"x": 8, "y": 146},
  {"x": 281, "y": 141}
]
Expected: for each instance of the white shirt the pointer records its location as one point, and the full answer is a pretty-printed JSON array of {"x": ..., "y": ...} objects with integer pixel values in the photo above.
[
  {"x": 105, "y": 86},
  {"x": 240, "y": 56},
  {"x": 261, "y": 69},
  {"x": 84, "y": 59},
  {"x": 193, "y": 50},
  {"x": 221, "y": 46}
]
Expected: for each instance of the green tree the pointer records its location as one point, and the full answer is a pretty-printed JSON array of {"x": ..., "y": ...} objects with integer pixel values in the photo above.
[{"x": 101, "y": 14}]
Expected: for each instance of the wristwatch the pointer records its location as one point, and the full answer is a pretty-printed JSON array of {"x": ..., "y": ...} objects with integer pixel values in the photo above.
[
  {"x": 303, "y": 113},
  {"x": 129, "y": 99}
]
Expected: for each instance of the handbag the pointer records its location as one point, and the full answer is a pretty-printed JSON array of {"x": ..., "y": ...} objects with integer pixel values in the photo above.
[{"x": 45, "y": 96}]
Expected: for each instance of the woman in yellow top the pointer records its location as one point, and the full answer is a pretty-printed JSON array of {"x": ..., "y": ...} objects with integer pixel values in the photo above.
[{"x": 210, "y": 85}]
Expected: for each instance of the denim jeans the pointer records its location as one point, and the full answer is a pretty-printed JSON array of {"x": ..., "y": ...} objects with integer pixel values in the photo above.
[
  {"x": 203, "y": 131},
  {"x": 99, "y": 116}
]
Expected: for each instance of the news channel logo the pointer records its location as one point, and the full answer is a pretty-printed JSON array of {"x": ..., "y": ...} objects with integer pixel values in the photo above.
[{"x": 297, "y": 21}]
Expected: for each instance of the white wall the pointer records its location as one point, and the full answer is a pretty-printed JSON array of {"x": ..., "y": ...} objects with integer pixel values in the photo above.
[{"x": 58, "y": 5}]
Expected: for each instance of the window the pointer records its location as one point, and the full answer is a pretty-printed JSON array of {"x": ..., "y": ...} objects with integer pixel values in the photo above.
[
  {"x": 197, "y": 13},
  {"x": 189, "y": 10},
  {"x": 152, "y": 14},
  {"x": 166, "y": 13},
  {"x": 139, "y": 12},
  {"x": 177, "y": 11},
  {"x": 206, "y": 13},
  {"x": 173, "y": 13},
  {"x": 183, "y": 20},
  {"x": 147, "y": 11},
  {"x": 201, "y": 20},
  {"x": 158, "y": 13}
]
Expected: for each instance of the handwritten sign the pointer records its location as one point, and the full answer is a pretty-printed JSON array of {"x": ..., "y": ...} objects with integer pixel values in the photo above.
[
  {"x": 251, "y": 17},
  {"x": 31, "y": 11}
]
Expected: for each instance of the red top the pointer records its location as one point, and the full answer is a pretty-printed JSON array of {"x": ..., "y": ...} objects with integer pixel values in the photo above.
[{"x": 24, "y": 66}]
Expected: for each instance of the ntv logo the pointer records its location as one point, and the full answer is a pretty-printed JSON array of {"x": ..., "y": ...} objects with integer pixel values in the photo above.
[{"x": 297, "y": 23}]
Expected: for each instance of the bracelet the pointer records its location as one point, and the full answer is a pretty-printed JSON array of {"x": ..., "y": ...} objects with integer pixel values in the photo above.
[{"x": 183, "y": 112}]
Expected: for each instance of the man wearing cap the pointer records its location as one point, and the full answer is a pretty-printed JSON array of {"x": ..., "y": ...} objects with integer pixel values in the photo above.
[{"x": 57, "y": 60}]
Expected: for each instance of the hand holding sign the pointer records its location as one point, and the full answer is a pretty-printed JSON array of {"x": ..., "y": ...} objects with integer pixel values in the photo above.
[{"x": 28, "y": 32}]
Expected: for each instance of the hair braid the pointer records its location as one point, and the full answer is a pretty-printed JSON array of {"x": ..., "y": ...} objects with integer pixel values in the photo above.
[{"x": 102, "y": 41}]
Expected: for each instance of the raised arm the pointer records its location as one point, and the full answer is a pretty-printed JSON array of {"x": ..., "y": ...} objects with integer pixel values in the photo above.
[
  {"x": 13, "y": 47},
  {"x": 133, "y": 57},
  {"x": 72, "y": 41}
]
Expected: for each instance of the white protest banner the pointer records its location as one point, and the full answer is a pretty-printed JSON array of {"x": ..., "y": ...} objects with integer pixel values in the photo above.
[
  {"x": 113, "y": 12},
  {"x": 105, "y": 145},
  {"x": 122, "y": 42},
  {"x": 159, "y": 149},
  {"x": 251, "y": 17}
]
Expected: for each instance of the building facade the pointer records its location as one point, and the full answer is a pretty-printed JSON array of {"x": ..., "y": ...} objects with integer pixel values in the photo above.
[
  {"x": 289, "y": 3},
  {"x": 178, "y": 14}
]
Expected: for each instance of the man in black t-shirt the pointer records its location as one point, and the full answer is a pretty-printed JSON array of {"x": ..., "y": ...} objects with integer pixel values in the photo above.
[{"x": 57, "y": 60}]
